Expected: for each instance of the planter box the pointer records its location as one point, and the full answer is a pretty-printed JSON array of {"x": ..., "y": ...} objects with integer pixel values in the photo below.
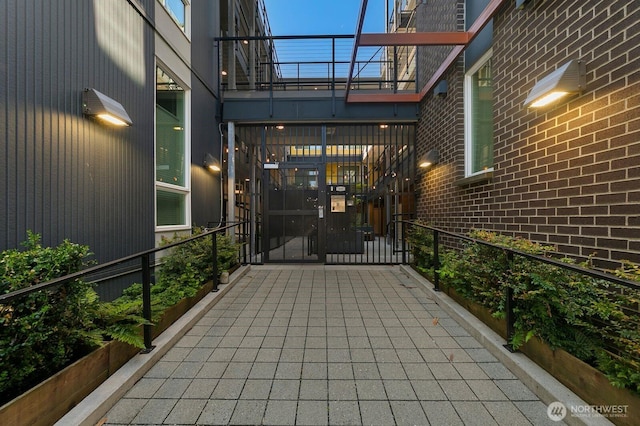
[
  {"x": 47, "y": 402},
  {"x": 584, "y": 380}
]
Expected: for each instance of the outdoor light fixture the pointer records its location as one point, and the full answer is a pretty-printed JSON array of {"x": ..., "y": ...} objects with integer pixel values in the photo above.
[
  {"x": 211, "y": 163},
  {"x": 96, "y": 104},
  {"x": 430, "y": 158},
  {"x": 567, "y": 80}
]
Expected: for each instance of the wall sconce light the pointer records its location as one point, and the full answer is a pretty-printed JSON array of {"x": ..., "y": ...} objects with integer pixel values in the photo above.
[
  {"x": 430, "y": 158},
  {"x": 566, "y": 80},
  {"x": 441, "y": 88},
  {"x": 211, "y": 163},
  {"x": 96, "y": 104}
]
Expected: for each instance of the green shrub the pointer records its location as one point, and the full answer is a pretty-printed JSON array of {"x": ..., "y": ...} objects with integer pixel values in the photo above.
[
  {"x": 188, "y": 266},
  {"x": 421, "y": 242},
  {"x": 593, "y": 319},
  {"x": 44, "y": 331},
  {"x": 183, "y": 271}
]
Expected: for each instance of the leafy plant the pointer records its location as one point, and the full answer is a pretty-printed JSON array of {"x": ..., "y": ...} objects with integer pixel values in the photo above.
[
  {"x": 593, "y": 319},
  {"x": 188, "y": 266},
  {"x": 183, "y": 271},
  {"x": 421, "y": 243},
  {"x": 43, "y": 331}
]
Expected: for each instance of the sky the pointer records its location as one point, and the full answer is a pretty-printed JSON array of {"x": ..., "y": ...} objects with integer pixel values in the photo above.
[{"x": 327, "y": 17}]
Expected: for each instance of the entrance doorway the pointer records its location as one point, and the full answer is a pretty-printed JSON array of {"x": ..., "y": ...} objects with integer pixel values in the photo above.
[
  {"x": 292, "y": 217},
  {"x": 332, "y": 194}
]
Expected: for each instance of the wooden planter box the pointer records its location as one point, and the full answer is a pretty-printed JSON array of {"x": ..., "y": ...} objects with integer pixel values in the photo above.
[
  {"x": 584, "y": 380},
  {"x": 47, "y": 402}
]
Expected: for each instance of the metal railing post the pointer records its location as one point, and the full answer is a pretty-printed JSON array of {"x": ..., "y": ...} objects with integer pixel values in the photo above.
[
  {"x": 146, "y": 303},
  {"x": 214, "y": 252},
  {"x": 509, "y": 302},
  {"x": 404, "y": 242},
  {"x": 244, "y": 242},
  {"x": 436, "y": 261}
]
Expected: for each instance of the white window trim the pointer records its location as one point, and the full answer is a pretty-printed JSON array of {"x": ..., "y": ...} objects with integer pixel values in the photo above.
[
  {"x": 187, "y": 201},
  {"x": 186, "y": 189},
  {"x": 468, "y": 115}
]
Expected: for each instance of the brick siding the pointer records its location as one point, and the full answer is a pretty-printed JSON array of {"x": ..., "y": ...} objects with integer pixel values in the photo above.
[{"x": 568, "y": 175}]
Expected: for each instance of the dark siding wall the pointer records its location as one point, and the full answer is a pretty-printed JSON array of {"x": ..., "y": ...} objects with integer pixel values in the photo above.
[
  {"x": 205, "y": 136},
  {"x": 64, "y": 175},
  {"x": 567, "y": 175}
]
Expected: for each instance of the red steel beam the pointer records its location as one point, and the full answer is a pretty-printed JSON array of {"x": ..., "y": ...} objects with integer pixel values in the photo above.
[
  {"x": 477, "y": 26},
  {"x": 415, "y": 39},
  {"x": 384, "y": 97}
]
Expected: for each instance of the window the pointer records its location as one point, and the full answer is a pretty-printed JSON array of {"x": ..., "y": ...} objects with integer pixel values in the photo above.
[
  {"x": 170, "y": 207},
  {"x": 178, "y": 11},
  {"x": 479, "y": 117},
  {"x": 172, "y": 173}
]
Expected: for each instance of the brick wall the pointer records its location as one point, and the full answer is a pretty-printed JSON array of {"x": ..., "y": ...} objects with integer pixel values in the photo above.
[{"x": 569, "y": 174}]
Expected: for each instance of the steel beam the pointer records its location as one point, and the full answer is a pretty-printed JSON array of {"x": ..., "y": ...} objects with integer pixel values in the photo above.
[
  {"x": 415, "y": 39},
  {"x": 475, "y": 28}
]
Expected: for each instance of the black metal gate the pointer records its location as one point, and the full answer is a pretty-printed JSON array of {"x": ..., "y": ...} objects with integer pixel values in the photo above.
[{"x": 333, "y": 194}]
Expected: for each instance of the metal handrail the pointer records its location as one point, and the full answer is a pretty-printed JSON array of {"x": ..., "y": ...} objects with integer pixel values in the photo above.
[
  {"x": 593, "y": 273},
  {"x": 510, "y": 253},
  {"x": 144, "y": 257}
]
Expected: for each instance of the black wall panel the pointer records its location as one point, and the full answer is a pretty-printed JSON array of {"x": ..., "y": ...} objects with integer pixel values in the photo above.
[
  {"x": 205, "y": 139},
  {"x": 62, "y": 174},
  {"x": 205, "y": 135},
  {"x": 484, "y": 40}
]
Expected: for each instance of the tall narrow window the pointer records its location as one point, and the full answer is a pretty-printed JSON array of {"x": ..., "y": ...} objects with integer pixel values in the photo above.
[
  {"x": 172, "y": 175},
  {"x": 479, "y": 117}
]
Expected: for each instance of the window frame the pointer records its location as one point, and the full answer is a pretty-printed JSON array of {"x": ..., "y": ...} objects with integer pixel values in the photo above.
[
  {"x": 164, "y": 186},
  {"x": 469, "y": 116},
  {"x": 186, "y": 27}
]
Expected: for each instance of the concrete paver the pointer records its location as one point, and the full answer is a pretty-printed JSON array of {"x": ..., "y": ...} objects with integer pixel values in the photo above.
[{"x": 328, "y": 345}]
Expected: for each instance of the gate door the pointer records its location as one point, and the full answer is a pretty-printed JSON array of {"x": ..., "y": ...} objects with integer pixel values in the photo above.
[{"x": 294, "y": 215}]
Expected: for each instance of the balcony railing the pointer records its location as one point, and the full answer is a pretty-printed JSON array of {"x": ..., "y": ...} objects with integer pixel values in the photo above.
[{"x": 282, "y": 63}]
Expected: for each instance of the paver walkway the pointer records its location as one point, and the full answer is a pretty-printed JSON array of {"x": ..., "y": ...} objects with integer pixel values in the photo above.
[{"x": 315, "y": 345}]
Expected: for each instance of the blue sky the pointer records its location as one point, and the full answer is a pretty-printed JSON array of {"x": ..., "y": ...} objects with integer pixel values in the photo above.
[{"x": 301, "y": 17}]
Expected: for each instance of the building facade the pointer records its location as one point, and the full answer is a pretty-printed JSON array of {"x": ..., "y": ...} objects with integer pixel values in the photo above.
[
  {"x": 67, "y": 175},
  {"x": 566, "y": 174}
]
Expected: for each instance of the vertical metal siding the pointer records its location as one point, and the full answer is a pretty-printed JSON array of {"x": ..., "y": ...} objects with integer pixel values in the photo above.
[
  {"x": 64, "y": 175},
  {"x": 205, "y": 137}
]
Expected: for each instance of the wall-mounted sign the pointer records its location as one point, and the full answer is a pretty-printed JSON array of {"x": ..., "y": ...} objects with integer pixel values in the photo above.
[
  {"x": 341, "y": 188},
  {"x": 271, "y": 165}
]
